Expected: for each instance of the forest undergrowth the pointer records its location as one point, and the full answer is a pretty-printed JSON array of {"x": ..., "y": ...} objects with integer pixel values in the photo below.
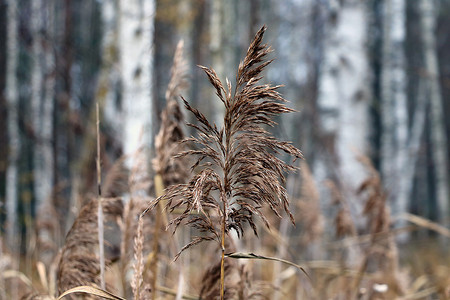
[{"x": 211, "y": 217}]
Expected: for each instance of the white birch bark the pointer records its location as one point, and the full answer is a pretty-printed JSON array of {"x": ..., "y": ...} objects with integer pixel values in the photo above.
[
  {"x": 136, "y": 56},
  {"x": 43, "y": 92},
  {"x": 343, "y": 98},
  {"x": 41, "y": 193},
  {"x": 223, "y": 41},
  {"x": 216, "y": 45},
  {"x": 110, "y": 75},
  {"x": 387, "y": 106},
  {"x": 48, "y": 107},
  {"x": 438, "y": 136},
  {"x": 13, "y": 126},
  {"x": 394, "y": 108}
]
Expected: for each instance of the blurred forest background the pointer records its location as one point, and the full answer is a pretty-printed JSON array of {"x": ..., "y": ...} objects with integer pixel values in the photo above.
[{"x": 367, "y": 77}]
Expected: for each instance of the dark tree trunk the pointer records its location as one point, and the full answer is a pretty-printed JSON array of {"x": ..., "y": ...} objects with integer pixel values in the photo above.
[{"x": 3, "y": 110}]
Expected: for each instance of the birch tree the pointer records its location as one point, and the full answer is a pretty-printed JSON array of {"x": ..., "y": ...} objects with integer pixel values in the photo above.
[
  {"x": 343, "y": 95},
  {"x": 136, "y": 20},
  {"x": 438, "y": 135},
  {"x": 216, "y": 36},
  {"x": 42, "y": 101},
  {"x": 394, "y": 138},
  {"x": 222, "y": 45},
  {"x": 48, "y": 103},
  {"x": 109, "y": 74},
  {"x": 42, "y": 177},
  {"x": 3, "y": 113},
  {"x": 13, "y": 123}
]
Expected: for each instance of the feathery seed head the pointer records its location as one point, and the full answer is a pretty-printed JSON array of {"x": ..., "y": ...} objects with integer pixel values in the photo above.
[{"x": 238, "y": 170}]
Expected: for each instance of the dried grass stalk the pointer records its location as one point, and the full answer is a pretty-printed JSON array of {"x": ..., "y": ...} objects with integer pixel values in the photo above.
[
  {"x": 100, "y": 219},
  {"x": 239, "y": 172},
  {"x": 139, "y": 260}
]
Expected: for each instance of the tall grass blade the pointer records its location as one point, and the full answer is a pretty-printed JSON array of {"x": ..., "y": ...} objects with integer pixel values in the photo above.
[{"x": 241, "y": 255}]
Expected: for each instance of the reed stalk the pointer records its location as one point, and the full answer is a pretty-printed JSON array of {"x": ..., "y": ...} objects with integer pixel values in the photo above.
[{"x": 100, "y": 218}]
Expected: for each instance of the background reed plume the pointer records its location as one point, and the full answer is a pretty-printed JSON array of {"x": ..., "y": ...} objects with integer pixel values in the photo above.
[
  {"x": 79, "y": 264},
  {"x": 238, "y": 171},
  {"x": 382, "y": 250},
  {"x": 172, "y": 170}
]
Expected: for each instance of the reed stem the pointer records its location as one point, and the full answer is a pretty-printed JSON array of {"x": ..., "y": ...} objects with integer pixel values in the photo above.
[
  {"x": 222, "y": 262},
  {"x": 101, "y": 246}
]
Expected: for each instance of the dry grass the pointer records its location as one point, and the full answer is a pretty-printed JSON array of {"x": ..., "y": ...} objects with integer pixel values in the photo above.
[{"x": 236, "y": 184}]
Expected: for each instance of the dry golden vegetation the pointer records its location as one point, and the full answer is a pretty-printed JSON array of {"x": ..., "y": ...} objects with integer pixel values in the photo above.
[{"x": 226, "y": 189}]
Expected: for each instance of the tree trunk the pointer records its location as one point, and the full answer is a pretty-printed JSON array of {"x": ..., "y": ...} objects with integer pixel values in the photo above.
[
  {"x": 394, "y": 108},
  {"x": 438, "y": 135},
  {"x": 43, "y": 95},
  {"x": 3, "y": 107},
  {"x": 136, "y": 56},
  {"x": 109, "y": 75},
  {"x": 65, "y": 113},
  {"x": 414, "y": 141},
  {"x": 13, "y": 125},
  {"x": 48, "y": 105},
  {"x": 40, "y": 191},
  {"x": 343, "y": 99},
  {"x": 216, "y": 47}
]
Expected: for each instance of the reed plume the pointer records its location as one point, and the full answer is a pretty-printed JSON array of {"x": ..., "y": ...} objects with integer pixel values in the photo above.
[
  {"x": 172, "y": 170},
  {"x": 379, "y": 220},
  {"x": 79, "y": 265},
  {"x": 116, "y": 179},
  {"x": 343, "y": 221},
  {"x": 238, "y": 171}
]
